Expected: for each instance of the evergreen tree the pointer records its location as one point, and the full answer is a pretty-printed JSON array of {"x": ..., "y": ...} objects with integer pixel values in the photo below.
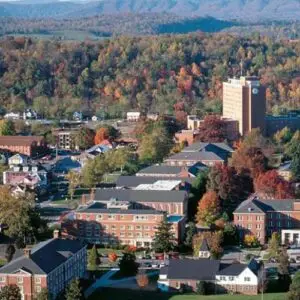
[
  {"x": 190, "y": 232},
  {"x": 10, "y": 292},
  {"x": 164, "y": 237},
  {"x": 73, "y": 291},
  {"x": 295, "y": 165},
  {"x": 273, "y": 245},
  {"x": 284, "y": 278},
  {"x": 9, "y": 253},
  {"x": 128, "y": 266},
  {"x": 201, "y": 288},
  {"x": 294, "y": 291},
  {"x": 93, "y": 259}
]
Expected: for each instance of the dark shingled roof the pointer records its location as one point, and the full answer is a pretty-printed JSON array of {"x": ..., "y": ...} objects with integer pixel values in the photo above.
[
  {"x": 140, "y": 195},
  {"x": 257, "y": 205},
  {"x": 101, "y": 208},
  {"x": 193, "y": 269},
  {"x": 233, "y": 269},
  {"x": 45, "y": 257},
  {"x": 161, "y": 169},
  {"x": 196, "y": 147},
  {"x": 197, "y": 156},
  {"x": 204, "y": 246}
]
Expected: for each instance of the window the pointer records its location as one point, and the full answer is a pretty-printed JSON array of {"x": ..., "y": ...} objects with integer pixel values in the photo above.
[
  {"x": 231, "y": 278},
  {"x": 130, "y": 227},
  {"x": 177, "y": 284},
  {"x": 98, "y": 217},
  {"x": 38, "y": 289},
  {"x": 113, "y": 227},
  {"x": 38, "y": 280},
  {"x": 122, "y": 234},
  {"x": 122, "y": 227},
  {"x": 223, "y": 278},
  {"x": 258, "y": 226},
  {"x": 111, "y": 217},
  {"x": 2, "y": 279},
  {"x": 247, "y": 279},
  {"x": 20, "y": 279},
  {"x": 249, "y": 226},
  {"x": 279, "y": 224},
  {"x": 279, "y": 215},
  {"x": 138, "y": 227},
  {"x": 79, "y": 216}
]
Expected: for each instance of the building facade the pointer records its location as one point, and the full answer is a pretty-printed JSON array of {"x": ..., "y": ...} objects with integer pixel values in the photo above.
[
  {"x": 51, "y": 264},
  {"x": 262, "y": 217},
  {"x": 244, "y": 100}
]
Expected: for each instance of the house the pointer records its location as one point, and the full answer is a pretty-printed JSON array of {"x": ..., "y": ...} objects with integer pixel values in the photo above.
[
  {"x": 184, "y": 274},
  {"x": 285, "y": 171},
  {"x": 28, "y": 145},
  {"x": 29, "y": 114},
  {"x": 77, "y": 116},
  {"x": 172, "y": 202},
  {"x": 208, "y": 154},
  {"x": 94, "y": 118},
  {"x": 12, "y": 116},
  {"x": 290, "y": 237},
  {"x": 119, "y": 222},
  {"x": 27, "y": 175},
  {"x": 262, "y": 217},
  {"x": 133, "y": 116},
  {"x": 65, "y": 138},
  {"x": 204, "y": 251},
  {"x": 18, "y": 159},
  {"x": 51, "y": 264}
]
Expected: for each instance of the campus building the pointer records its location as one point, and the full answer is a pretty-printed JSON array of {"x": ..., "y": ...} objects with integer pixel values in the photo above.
[
  {"x": 244, "y": 100},
  {"x": 51, "y": 264},
  {"x": 262, "y": 217}
]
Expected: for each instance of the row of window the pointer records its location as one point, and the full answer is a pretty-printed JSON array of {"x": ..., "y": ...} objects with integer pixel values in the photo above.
[
  {"x": 20, "y": 279},
  {"x": 250, "y": 218},
  {"x": 89, "y": 227},
  {"x": 122, "y": 234}
]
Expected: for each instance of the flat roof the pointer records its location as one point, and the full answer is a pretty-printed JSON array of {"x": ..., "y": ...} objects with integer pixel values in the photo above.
[{"x": 160, "y": 185}]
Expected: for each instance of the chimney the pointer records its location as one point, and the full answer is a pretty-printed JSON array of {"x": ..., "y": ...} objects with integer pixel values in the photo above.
[
  {"x": 27, "y": 252},
  {"x": 56, "y": 234}
]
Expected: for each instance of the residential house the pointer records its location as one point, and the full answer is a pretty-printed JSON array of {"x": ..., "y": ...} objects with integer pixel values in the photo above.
[
  {"x": 262, "y": 217},
  {"x": 285, "y": 171},
  {"x": 28, "y": 145},
  {"x": 184, "y": 274},
  {"x": 12, "y": 116},
  {"x": 51, "y": 264},
  {"x": 18, "y": 159},
  {"x": 204, "y": 251},
  {"x": 133, "y": 116}
]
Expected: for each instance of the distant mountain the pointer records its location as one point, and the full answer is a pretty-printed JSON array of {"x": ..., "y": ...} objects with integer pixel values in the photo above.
[{"x": 222, "y": 9}]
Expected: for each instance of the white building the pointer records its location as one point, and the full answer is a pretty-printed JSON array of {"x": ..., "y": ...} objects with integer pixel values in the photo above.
[
  {"x": 12, "y": 116},
  {"x": 133, "y": 116},
  {"x": 290, "y": 236}
]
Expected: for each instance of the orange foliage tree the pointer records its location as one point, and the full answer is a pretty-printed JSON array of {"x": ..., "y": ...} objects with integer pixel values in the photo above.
[
  {"x": 270, "y": 185},
  {"x": 208, "y": 208},
  {"x": 212, "y": 130},
  {"x": 142, "y": 280},
  {"x": 112, "y": 257},
  {"x": 101, "y": 135}
]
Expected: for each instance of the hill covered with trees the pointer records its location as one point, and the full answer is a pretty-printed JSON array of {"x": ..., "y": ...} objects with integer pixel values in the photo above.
[{"x": 149, "y": 74}]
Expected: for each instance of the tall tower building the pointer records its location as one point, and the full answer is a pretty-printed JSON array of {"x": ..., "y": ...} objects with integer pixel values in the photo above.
[{"x": 244, "y": 100}]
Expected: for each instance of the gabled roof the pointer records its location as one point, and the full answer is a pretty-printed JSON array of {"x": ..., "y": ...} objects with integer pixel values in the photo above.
[
  {"x": 197, "y": 147},
  {"x": 139, "y": 196},
  {"x": 18, "y": 140},
  {"x": 45, "y": 257},
  {"x": 233, "y": 269},
  {"x": 197, "y": 156},
  {"x": 204, "y": 246},
  {"x": 161, "y": 170}
]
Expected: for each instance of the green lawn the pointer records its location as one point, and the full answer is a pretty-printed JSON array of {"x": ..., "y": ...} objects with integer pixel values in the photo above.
[{"x": 116, "y": 294}]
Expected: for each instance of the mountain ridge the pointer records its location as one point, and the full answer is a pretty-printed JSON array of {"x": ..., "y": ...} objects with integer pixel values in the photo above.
[{"x": 221, "y": 9}]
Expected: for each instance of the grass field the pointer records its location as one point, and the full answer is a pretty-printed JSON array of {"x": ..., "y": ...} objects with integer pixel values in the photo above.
[{"x": 121, "y": 294}]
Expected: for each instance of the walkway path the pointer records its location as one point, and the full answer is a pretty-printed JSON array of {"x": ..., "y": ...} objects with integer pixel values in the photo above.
[{"x": 105, "y": 281}]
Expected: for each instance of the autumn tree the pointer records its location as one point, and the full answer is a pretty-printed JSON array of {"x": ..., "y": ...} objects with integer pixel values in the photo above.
[
  {"x": 270, "y": 185},
  {"x": 142, "y": 280},
  {"x": 10, "y": 292},
  {"x": 212, "y": 130},
  {"x": 84, "y": 138},
  {"x": 112, "y": 257},
  {"x": 208, "y": 208},
  {"x": 274, "y": 245},
  {"x": 284, "y": 277},
  {"x": 101, "y": 135},
  {"x": 283, "y": 136},
  {"x": 74, "y": 179}
]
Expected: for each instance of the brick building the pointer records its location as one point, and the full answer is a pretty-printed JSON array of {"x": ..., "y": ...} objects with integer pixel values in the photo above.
[
  {"x": 118, "y": 223},
  {"x": 261, "y": 217},
  {"x": 28, "y": 145},
  {"x": 51, "y": 264},
  {"x": 184, "y": 274}
]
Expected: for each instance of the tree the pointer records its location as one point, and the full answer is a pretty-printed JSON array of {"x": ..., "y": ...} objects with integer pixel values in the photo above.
[
  {"x": 40, "y": 105},
  {"x": 9, "y": 253},
  {"x": 128, "y": 266},
  {"x": 74, "y": 179},
  {"x": 101, "y": 135},
  {"x": 251, "y": 240},
  {"x": 274, "y": 245},
  {"x": 270, "y": 185},
  {"x": 154, "y": 147},
  {"x": 201, "y": 288},
  {"x": 84, "y": 138},
  {"x": 212, "y": 130},
  {"x": 73, "y": 291},
  {"x": 231, "y": 187},
  {"x": 7, "y": 127},
  {"x": 231, "y": 236},
  {"x": 142, "y": 280},
  {"x": 112, "y": 257},
  {"x": 283, "y": 136},
  {"x": 10, "y": 292},
  {"x": 189, "y": 234},
  {"x": 93, "y": 259},
  {"x": 284, "y": 277},
  {"x": 294, "y": 291},
  {"x": 163, "y": 241},
  {"x": 295, "y": 163},
  {"x": 118, "y": 158},
  {"x": 43, "y": 295},
  {"x": 208, "y": 208}
]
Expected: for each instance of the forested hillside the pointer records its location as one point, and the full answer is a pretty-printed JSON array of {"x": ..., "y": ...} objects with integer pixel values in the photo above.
[{"x": 143, "y": 73}]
